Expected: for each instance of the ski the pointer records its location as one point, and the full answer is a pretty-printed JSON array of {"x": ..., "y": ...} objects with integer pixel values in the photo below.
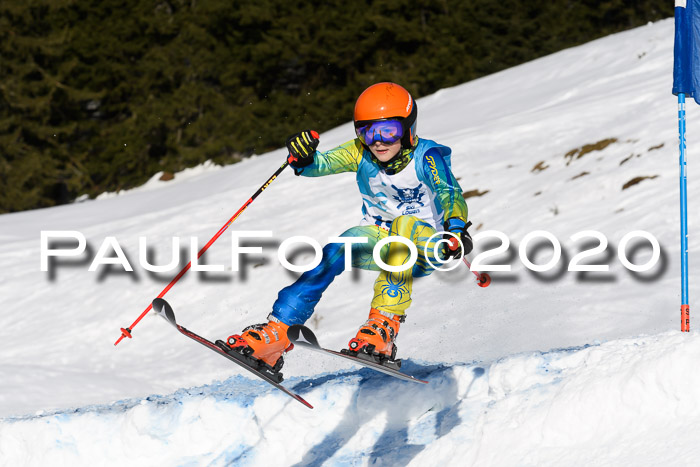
[
  {"x": 165, "y": 311},
  {"x": 304, "y": 337}
]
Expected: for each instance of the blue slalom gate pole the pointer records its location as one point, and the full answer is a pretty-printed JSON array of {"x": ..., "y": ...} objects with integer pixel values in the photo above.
[{"x": 685, "y": 307}]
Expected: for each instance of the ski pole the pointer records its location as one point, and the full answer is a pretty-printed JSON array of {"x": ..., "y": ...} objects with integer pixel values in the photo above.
[
  {"x": 126, "y": 332},
  {"x": 482, "y": 278}
]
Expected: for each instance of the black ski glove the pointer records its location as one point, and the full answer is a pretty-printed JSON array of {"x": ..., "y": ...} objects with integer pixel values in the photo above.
[
  {"x": 302, "y": 147},
  {"x": 458, "y": 227}
]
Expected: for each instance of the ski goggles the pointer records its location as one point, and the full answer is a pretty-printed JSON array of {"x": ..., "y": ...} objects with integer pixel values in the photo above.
[{"x": 386, "y": 131}]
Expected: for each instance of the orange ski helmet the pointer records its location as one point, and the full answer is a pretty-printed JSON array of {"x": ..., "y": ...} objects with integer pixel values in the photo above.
[{"x": 384, "y": 101}]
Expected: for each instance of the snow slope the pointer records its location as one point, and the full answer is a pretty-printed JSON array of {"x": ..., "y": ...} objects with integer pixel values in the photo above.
[
  {"x": 625, "y": 402},
  {"x": 498, "y": 393}
]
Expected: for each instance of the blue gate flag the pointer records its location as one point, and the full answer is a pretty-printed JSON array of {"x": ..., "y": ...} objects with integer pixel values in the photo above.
[{"x": 686, "y": 49}]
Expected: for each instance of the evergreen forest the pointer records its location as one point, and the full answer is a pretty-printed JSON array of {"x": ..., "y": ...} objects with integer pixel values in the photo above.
[{"x": 99, "y": 95}]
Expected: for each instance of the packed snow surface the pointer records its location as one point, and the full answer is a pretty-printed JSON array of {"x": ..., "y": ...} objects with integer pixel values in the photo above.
[
  {"x": 540, "y": 368},
  {"x": 564, "y": 407}
]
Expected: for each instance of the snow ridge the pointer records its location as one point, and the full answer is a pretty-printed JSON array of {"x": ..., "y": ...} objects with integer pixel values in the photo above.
[{"x": 621, "y": 402}]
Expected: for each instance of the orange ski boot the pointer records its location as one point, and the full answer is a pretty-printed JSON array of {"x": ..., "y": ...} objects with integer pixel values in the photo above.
[
  {"x": 376, "y": 337},
  {"x": 264, "y": 344}
]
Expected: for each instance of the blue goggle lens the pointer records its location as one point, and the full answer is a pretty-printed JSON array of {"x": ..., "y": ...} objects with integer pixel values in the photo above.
[{"x": 386, "y": 131}]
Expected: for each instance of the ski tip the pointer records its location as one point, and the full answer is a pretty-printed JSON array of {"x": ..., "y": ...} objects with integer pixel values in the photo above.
[
  {"x": 163, "y": 309},
  {"x": 158, "y": 305},
  {"x": 301, "y": 335}
]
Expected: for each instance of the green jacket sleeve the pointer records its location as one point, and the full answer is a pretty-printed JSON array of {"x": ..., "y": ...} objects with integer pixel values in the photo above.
[{"x": 344, "y": 158}]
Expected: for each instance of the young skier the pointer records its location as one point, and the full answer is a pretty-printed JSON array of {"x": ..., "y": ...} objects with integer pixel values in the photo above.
[{"x": 407, "y": 189}]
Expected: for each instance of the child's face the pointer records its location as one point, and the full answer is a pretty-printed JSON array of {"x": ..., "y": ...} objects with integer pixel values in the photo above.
[{"x": 385, "y": 152}]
